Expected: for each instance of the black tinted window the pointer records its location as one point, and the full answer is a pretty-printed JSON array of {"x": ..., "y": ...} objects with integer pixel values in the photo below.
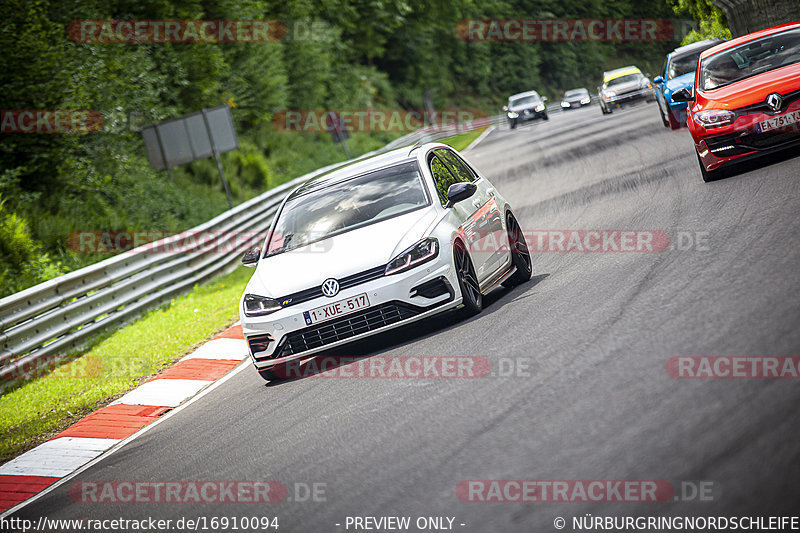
[
  {"x": 455, "y": 165},
  {"x": 442, "y": 177}
]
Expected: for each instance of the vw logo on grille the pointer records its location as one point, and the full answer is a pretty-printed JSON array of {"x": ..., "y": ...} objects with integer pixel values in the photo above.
[
  {"x": 330, "y": 287},
  {"x": 774, "y": 101}
]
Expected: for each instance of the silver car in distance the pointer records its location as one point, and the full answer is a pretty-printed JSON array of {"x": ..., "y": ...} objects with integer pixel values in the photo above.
[{"x": 375, "y": 245}]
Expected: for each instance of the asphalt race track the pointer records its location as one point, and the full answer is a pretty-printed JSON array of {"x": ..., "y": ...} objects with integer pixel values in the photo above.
[{"x": 595, "y": 330}]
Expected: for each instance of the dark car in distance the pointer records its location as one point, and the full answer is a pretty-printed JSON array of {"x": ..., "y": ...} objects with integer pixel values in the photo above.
[{"x": 525, "y": 106}]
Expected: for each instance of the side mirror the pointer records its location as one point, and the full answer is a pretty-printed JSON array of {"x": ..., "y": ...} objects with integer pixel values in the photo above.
[
  {"x": 682, "y": 95},
  {"x": 505, "y": 108},
  {"x": 458, "y": 192},
  {"x": 251, "y": 257},
  {"x": 544, "y": 98},
  {"x": 658, "y": 79}
]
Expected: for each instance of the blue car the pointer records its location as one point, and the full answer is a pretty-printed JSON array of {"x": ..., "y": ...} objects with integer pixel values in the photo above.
[{"x": 679, "y": 70}]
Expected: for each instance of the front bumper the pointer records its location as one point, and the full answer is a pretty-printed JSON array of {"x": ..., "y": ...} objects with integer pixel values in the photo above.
[
  {"x": 394, "y": 301},
  {"x": 716, "y": 151},
  {"x": 633, "y": 96},
  {"x": 742, "y": 139},
  {"x": 575, "y": 104},
  {"x": 528, "y": 114}
]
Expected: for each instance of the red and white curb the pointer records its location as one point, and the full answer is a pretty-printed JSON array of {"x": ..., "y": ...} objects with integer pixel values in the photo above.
[{"x": 87, "y": 439}]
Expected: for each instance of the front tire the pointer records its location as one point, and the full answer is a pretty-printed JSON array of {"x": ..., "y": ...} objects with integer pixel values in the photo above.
[
  {"x": 520, "y": 254},
  {"x": 471, "y": 296},
  {"x": 674, "y": 123},
  {"x": 513, "y": 124},
  {"x": 662, "y": 115}
]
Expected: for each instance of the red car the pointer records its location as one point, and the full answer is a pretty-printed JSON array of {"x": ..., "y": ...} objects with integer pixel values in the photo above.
[{"x": 746, "y": 100}]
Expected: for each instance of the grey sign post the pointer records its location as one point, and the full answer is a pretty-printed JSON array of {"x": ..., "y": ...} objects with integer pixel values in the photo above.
[{"x": 202, "y": 134}]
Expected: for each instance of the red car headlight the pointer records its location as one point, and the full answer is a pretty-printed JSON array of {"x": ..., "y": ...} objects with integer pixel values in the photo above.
[{"x": 714, "y": 118}]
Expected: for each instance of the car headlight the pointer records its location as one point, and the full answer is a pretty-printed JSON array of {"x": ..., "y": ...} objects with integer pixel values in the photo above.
[
  {"x": 255, "y": 305},
  {"x": 587, "y": 100},
  {"x": 512, "y": 114},
  {"x": 422, "y": 252},
  {"x": 610, "y": 94},
  {"x": 564, "y": 104},
  {"x": 714, "y": 118},
  {"x": 539, "y": 108}
]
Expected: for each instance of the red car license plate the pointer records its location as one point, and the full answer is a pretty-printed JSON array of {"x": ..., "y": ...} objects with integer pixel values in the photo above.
[{"x": 778, "y": 122}]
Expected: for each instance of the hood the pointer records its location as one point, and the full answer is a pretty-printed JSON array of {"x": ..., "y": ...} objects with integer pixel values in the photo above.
[
  {"x": 532, "y": 105},
  {"x": 686, "y": 80},
  {"x": 339, "y": 256},
  {"x": 626, "y": 87},
  {"x": 755, "y": 89}
]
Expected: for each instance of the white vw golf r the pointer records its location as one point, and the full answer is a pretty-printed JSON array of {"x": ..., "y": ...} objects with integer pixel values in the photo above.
[{"x": 375, "y": 245}]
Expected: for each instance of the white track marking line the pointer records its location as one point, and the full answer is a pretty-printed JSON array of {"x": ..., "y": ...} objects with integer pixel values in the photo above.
[
  {"x": 57, "y": 457},
  {"x": 220, "y": 349},
  {"x": 163, "y": 392},
  {"x": 125, "y": 441},
  {"x": 474, "y": 143}
]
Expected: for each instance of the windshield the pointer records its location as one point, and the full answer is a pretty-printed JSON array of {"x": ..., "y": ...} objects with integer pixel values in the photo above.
[
  {"x": 575, "y": 93},
  {"x": 625, "y": 79},
  {"x": 683, "y": 65},
  {"x": 749, "y": 59},
  {"x": 524, "y": 100},
  {"x": 347, "y": 205}
]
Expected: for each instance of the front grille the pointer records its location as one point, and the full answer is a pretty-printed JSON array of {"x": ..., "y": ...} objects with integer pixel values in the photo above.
[
  {"x": 632, "y": 95},
  {"x": 345, "y": 327},
  {"x": 749, "y": 141},
  {"x": 349, "y": 281},
  {"x": 762, "y": 107}
]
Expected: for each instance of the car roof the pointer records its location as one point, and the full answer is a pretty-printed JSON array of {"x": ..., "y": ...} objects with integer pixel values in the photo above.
[
  {"x": 689, "y": 48},
  {"x": 363, "y": 166},
  {"x": 618, "y": 73},
  {"x": 527, "y": 93},
  {"x": 749, "y": 37},
  {"x": 576, "y": 90}
]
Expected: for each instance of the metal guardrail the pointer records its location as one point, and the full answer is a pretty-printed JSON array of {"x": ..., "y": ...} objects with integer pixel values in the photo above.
[{"x": 44, "y": 323}]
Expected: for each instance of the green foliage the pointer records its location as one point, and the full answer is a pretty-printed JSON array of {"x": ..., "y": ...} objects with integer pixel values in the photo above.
[
  {"x": 710, "y": 20},
  {"x": 337, "y": 54},
  {"x": 24, "y": 262}
]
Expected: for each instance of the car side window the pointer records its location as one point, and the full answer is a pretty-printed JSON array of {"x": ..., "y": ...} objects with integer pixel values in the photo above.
[
  {"x": 456, "y": 165},
  {"x": 442, "y": 177}
]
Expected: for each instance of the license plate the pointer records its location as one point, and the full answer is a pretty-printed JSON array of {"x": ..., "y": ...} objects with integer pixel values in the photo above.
[
  {"x": 335, "y": 309},
  {"x": 778, "y": 122}
]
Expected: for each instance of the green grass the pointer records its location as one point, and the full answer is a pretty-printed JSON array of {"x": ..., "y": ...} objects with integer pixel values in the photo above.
[
  {"x": 459, "y": 142},
  {"x": 43, "y": 406}
]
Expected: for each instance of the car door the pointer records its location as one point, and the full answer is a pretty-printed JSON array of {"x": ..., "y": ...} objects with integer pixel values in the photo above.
[
  {"x": 462, "y": 212},
  {"x": 483, "y": 226}
]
